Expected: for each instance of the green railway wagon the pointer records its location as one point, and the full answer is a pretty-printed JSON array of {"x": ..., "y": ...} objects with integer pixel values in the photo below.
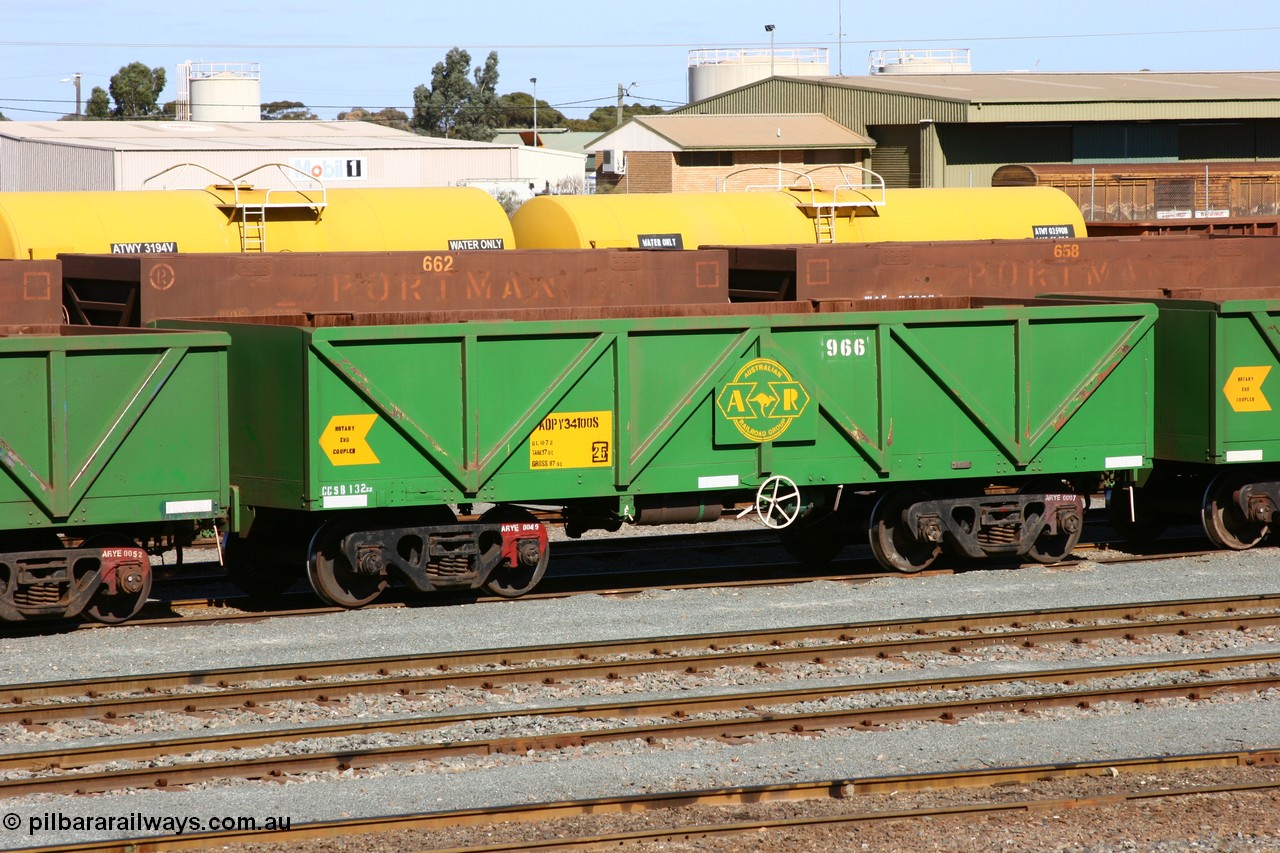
[
  {"x": 1217, "y": 428},
  {"x": 353, "y": 442},
  {"x": 112, "y": 444}
]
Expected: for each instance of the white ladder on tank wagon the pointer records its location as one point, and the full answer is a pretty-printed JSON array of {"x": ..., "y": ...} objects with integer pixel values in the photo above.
[
  {"x": 846, "y": 196},
  {"x": 248, "y": 206}
]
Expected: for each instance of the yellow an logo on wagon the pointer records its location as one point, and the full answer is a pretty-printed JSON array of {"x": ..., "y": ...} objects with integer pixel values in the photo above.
[{"x": 763, "y": 400}]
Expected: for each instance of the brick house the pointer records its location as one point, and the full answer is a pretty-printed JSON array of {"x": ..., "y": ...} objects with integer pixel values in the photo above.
[{"x": 705, "y": 153}]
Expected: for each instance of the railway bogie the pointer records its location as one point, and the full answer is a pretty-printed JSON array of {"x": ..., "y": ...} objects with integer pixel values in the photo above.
[{"x": 119, "y": 449}]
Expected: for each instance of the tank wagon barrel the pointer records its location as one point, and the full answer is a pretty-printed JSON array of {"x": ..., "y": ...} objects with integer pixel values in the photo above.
[
  {"x": 690, "y": 220},
  {"x": 240, "y": 218},
  {"x": 37, "y": 225}
]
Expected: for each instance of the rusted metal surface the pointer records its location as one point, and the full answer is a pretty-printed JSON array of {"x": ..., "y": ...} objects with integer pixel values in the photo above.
[
  {"x": 337, "y": 320},
  {"x": 30, "y": 294},
  {"x": 1236, "y": 226},
  {"x": 1006, "y": 268},
  {"x": 130, "y": 290}
]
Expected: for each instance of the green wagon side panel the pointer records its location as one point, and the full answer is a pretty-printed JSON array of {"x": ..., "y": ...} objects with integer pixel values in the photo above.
[
  {"x": 1218, "y": 398},
  {"x": 368, "y": 416},
  {"x": 109, "y": 428}
]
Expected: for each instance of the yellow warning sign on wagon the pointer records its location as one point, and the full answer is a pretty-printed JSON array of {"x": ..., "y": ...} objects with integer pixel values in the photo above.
[
  {"x": 344, "y": 440},
  {"x": 572, "y": 440},
  {"x": 1244, "y": 389}
]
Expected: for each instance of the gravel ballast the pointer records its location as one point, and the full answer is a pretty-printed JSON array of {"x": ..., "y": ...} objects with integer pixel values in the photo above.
[{"x": 620, "y": 769}]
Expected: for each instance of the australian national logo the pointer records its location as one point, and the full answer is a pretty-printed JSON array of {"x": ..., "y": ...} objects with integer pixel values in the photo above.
[{"x": 762, "y": 400}]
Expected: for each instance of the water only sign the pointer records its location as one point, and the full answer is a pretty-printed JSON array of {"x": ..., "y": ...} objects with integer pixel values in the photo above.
[{"x": 333, "y": 168}]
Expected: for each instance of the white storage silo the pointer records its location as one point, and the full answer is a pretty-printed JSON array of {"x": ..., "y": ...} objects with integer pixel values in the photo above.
[
  {"x": 712, "y": 71},
  {"x": 224, "y": 91}
]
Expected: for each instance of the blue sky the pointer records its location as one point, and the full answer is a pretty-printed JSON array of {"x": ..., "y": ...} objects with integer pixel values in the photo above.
[{"x": 334, "y": 56}]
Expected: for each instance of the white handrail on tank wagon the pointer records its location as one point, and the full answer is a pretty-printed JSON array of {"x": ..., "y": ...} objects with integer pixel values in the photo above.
[
  {"x": 253, "y": 214},
  {"x": 846, "y": 196},
  {"x": 180, "y": 171},
  {"x": 251, "y": 211},
  {"x": 318, "y": 199}
]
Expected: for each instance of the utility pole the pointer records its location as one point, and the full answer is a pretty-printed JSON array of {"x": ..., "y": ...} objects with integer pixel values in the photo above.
[
  {"x": 622, "y": 91},
  {"x": 534, "y": 81},
  {"x": 840, "y": 37}
]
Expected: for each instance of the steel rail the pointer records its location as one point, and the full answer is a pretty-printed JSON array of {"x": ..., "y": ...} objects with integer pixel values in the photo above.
[
  {"x": 845, "y": 788},
  {"x": 662, "y": 653},
  {"x": 190, "y": 772}
]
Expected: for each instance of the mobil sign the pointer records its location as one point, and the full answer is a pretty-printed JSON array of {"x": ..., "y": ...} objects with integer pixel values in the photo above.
[{"x": 332, "y": 168}]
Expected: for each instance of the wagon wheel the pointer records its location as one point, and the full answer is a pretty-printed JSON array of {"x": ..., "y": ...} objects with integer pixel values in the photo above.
[
  {"x": 1224, "y": 523},
  {"x": 815, "y": 542},
  {"x": 514, "y": 581},
  {"x": 331, "y": 574},
  {"x": 894, "y": 545},
  {"x": 1051, "y": 547},
  {"x": 778, "y": 502},
  {"x": 114, "y": 609},
  {"x": 1136, "y": 521}
]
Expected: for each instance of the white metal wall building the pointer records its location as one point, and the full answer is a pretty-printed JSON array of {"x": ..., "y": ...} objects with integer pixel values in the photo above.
[{"x": 123, "y": 155}]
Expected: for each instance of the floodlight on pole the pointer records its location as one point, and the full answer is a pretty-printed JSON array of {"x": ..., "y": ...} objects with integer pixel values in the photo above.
[
  {"x": 74, "y": 78},
  {"x": 769, "y": 28}
]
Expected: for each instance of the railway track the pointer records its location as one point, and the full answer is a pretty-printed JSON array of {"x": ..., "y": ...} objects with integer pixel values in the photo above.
[
  {"x": 504, "y": 666},
  {"x": 729, "y": 714},
  {"x": 842, "y": 803}
]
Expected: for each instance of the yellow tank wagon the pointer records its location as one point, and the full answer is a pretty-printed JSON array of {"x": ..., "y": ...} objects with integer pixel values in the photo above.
[
  {"x": 35, "y": 225},
  {"x": 689, "y": 220}
]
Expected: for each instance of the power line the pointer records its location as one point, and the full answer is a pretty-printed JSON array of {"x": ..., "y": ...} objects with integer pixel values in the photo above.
[{"x": 612, "y": 46}]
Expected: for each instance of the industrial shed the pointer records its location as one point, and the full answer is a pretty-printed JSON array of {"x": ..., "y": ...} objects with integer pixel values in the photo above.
[
  {"x": 955, "y": 129},
  {"x": 127, "y": 155}
]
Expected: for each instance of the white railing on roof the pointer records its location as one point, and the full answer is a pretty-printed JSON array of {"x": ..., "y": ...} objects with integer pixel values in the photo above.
[
  {"x": 901, "y": 60},
  {"x": 756, "y": 55}
]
